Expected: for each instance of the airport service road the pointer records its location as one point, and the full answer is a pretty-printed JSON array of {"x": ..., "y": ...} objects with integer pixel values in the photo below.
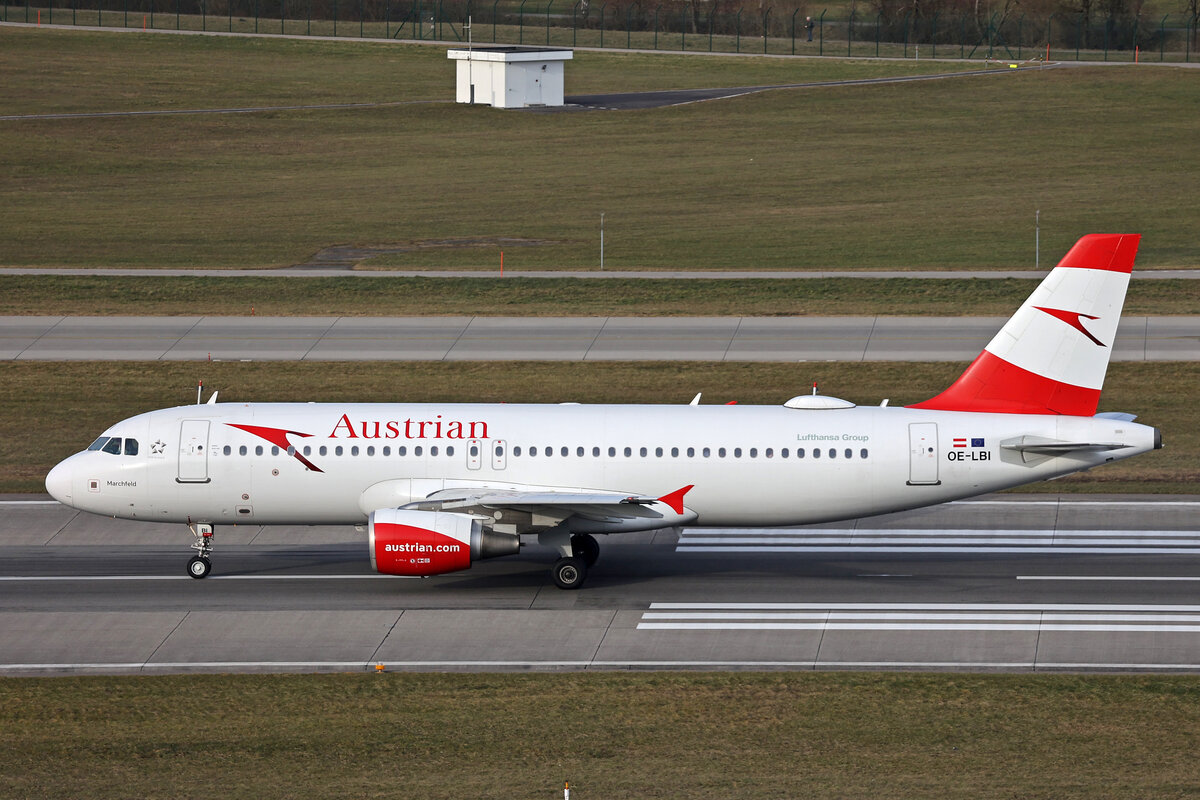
[
  {"x": 347, "y": 270},
  {"x": 548, "y": 338},
  {"x": 1011, "y": 583}
]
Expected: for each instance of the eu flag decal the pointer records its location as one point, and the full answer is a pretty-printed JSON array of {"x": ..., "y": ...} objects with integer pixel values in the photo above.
[{"x": 977, "y": 443}]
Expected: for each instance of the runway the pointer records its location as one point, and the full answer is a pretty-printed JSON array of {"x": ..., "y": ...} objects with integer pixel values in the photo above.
[
  {"x": 548, "y": 338},
  {"x": 1009, "y": 583}
]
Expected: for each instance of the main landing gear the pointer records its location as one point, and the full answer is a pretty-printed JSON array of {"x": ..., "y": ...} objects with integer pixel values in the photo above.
[
  {"x": 570, "y": 571},
  {"x": 199, "y": 566}
]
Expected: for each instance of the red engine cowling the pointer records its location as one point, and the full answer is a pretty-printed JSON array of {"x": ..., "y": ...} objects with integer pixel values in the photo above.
[{"x": 405, "y": 542}]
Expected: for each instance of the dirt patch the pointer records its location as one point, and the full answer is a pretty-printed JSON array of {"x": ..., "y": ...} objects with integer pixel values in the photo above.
[{"x": 351, "y": 256}]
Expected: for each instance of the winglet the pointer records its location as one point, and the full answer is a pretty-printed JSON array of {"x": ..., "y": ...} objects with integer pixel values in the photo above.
[{"x": 675, "y": 498}]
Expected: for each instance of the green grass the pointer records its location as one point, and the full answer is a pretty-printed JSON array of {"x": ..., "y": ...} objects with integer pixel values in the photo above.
[
  {"x": 49, "y": 410},
  {"x": 612, "y": 735},
  {"x": 943, "y": 174},
  {"x": 169, "y": 296}
]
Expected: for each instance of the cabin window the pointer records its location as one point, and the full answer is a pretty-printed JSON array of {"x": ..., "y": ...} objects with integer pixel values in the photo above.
[
  {"x": 628, "y": 452},
  {"x": 800, "y": 452},
  {"x": 226, "y": 450},
  {"x": 720, "y": 452},
  {"x": 862, "y": 453},
  {"x": 833, "y": 452},
  {"x": 291, "y": 450},
  {"x": 848, "y": 453},
  {"x": 417, "y": 451},
  {"x": 274, "y": 450},
  {"x": 783, "y": 453},
  {"x": 691, "y": 451},
  {"x": 354, "y": 450},
  {"x": 533, "y": 451},
  {"x": 658, "y": 451},
  {"x": 737, "y": 452},
  {"x": 475, "y": 451},
  {"x": 258, "y": 451},
  {"x": 402, "y": 451},
  {"x": 754, "y": 452},
  {"x": 674, "y": 452},
  {"x": 433, "y": 451},
  {"x": 595, "y": 452},
  {"x": 549, "y": 451},
  {"x": 243, "y": 450},
  {"x": 387, "y": 450},
  {"x": 371, "y": 450},
  {"x": 517, "y": 450},
  {"x": 612, "y": 452},
  {"x": 769, "y": 453},
  {"x": 322, "y": 450},
  {"x": 816, "y": 453},
  {"x": 642, "y": 452},
  {"x": 579, "y": 452},
  {"x": 337, "y": 451},
  {"x": 706, "y": 452}
]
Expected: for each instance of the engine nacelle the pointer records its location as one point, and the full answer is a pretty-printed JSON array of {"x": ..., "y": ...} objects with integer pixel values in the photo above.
[{"x": 405, "y": 542}]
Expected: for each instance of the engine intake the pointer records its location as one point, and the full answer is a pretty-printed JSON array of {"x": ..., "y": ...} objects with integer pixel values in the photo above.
[{"x": 406, "y": 542}]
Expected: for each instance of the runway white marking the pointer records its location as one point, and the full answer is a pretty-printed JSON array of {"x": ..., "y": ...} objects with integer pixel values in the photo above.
[
  {"x": 924, "y": 540},
  {"x": 1105, "y": 578},
  {"x": 921, "y": 617}
]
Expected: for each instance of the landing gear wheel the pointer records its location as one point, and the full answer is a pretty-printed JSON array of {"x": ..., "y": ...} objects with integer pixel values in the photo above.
[
  {"x": 199, "y": 567},
  {"x": 568, "y": 573},
  {"x": 585, "y": 546}
]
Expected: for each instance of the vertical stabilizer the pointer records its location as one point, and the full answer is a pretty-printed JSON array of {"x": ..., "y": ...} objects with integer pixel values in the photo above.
[{"x": 1051, "y": 356}]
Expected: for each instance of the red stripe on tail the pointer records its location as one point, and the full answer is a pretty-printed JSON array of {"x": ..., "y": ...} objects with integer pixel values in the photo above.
[
  {"x": 994, "y": 386},
  {"x": 1113, "y": 252}
]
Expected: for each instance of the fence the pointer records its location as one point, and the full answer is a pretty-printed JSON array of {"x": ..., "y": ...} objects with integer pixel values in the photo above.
[{"x": 641, "y": 25}]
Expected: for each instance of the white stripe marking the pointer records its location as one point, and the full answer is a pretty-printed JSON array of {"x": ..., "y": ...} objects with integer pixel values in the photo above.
[
  {"x": 1104, "y": 578},
  {"x": 911, "y": 626}
]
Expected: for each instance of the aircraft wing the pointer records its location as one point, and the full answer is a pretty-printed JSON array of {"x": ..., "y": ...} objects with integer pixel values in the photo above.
[{"x": 547, "y": 508}]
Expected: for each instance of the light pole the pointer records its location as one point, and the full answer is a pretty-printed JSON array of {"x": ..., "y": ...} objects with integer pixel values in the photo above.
[{"x": 601, "y": 240}]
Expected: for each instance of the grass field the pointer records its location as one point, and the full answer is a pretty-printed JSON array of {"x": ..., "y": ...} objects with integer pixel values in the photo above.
[
  {"x": 612, "y": 735},
  {"x": 49, "y": 410},
  {"x": 945, "y": 173},
  {"x": 531, "y": 297}
]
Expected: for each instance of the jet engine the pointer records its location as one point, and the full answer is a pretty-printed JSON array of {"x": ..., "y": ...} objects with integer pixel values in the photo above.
[{"x": 407, "y": 542}]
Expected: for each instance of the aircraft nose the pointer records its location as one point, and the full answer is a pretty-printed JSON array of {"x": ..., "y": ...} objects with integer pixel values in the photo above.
[{"x": 58, "y": 483}]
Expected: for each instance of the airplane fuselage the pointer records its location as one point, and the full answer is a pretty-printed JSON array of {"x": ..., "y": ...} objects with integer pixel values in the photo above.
[{"x": 282, "y": 463}]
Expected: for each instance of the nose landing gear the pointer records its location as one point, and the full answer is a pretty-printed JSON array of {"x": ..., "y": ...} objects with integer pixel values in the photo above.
[{"x": 199, "y": 566}]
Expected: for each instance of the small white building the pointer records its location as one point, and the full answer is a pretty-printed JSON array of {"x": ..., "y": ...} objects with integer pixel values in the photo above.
[{"x": 510, "y": 77}]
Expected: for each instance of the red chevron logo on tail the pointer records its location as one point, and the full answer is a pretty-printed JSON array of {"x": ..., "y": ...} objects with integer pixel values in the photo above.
[{"x": 1074, "y": 319}]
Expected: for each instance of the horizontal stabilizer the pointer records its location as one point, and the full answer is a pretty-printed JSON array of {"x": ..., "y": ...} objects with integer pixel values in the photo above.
[{"x": 1031, "y": 446}]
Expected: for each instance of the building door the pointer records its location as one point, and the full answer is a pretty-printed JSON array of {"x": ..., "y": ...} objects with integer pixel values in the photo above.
[{"x": 922, "y": 454}]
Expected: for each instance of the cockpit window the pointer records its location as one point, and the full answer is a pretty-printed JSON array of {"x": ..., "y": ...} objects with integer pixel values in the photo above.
[{"x": 113, "y": 445}]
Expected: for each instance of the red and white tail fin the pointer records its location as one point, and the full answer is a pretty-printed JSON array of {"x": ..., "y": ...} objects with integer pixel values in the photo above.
[{"x": 1051, "y": 356}]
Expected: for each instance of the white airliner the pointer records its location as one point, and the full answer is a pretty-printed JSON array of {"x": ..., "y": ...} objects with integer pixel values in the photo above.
[{"x": 438, "y": 486}]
